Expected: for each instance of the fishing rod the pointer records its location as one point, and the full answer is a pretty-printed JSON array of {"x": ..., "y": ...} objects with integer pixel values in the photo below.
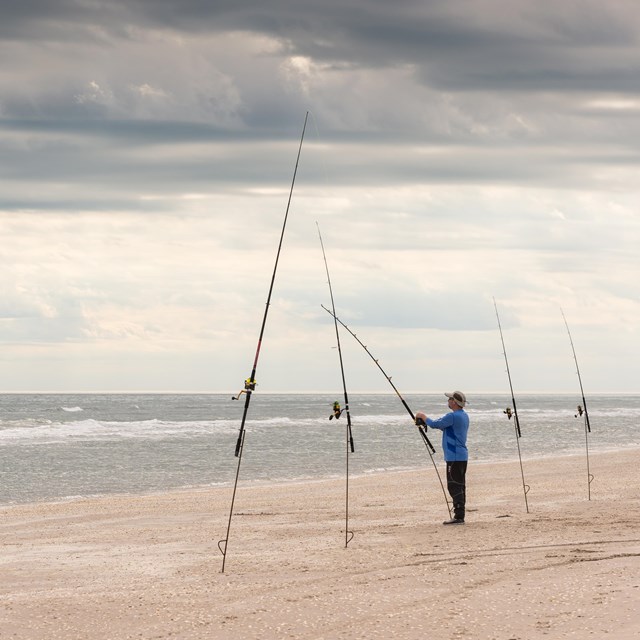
[
  {"x": 250, "y": 382},
  {"x": 348, "y": 535},
  {"x": 513, "y": 414},
  {"x": 582, "y": 409},
  {"x": 421, "y": 426}
]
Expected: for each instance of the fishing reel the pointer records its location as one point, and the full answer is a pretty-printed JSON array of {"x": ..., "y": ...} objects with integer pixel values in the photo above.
[
  {"x": 580, "y": 412},
  {"x": 249, "y": 385},
  {"x": 337, "y": 411},
  {"x": 508, "y": 412}
]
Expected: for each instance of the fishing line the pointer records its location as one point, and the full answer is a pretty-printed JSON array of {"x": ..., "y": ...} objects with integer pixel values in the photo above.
[
  {"x": 582, "y": 409},
  {"x": 350, "y": 448},
  {"x": 421, "y": 426},
  {"x": 513, "y": 414},
  {"x": 250, "y": 382}
]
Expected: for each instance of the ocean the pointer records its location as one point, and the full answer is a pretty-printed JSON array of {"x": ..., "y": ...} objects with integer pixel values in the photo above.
[{"x": 65, "y": 446}]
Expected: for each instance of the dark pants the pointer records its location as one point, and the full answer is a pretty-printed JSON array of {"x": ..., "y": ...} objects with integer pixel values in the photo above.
[{"x": 456, "y": 472}]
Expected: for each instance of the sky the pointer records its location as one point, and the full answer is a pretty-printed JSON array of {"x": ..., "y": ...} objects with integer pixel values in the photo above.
[{"x": 455, "y": 154}]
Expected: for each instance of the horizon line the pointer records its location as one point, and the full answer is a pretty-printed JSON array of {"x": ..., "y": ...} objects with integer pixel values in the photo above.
[{"x": 303, "y": 392}]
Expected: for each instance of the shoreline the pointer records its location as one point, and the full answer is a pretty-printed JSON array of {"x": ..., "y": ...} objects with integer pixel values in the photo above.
[
  {"x": 121, "y": 567},
  {"x": 426, "y": 467}
]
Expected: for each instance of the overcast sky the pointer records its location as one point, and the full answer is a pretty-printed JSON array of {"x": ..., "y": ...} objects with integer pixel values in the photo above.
[{"x": 455, "y": 152}]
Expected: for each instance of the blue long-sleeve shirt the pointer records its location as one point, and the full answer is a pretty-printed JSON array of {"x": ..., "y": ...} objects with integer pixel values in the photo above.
[{"x": 454, "y": 427}]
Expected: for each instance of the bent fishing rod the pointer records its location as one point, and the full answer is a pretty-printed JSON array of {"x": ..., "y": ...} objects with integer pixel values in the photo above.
[
  {"x": 582, "y": 409},
  {"x": 250, "y": 382},
  {"x": 348, "y": 535},
  {"x": 509, "y": 413},
  {"x": 421, "y": 426}
]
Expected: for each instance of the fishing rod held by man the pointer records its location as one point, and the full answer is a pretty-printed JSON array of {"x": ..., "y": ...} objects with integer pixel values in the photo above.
[{"x": 421, "y": 429}]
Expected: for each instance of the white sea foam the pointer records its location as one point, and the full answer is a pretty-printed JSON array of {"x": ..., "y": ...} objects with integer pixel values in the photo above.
[{"x": 90, "y": 429}]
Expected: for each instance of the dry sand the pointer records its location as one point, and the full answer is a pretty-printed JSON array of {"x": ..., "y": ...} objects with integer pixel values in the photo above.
[{"x": 149, "y": 566}]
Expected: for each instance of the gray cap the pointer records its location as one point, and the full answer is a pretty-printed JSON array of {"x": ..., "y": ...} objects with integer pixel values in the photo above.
[{"x": 458, "y": 397}]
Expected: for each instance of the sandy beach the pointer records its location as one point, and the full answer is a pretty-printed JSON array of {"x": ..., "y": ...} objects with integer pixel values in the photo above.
[{"x": 149, "y": 566}]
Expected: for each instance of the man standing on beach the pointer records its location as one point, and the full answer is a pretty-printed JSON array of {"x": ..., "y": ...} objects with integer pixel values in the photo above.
[{"x": 454, "y": 427}]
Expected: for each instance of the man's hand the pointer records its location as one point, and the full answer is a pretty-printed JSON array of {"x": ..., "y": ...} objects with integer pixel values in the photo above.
[{"x": 421, "y": 419}]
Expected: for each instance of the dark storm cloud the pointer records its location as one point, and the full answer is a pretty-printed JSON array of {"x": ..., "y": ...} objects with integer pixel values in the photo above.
[
  {"x": 57, "y": 20},
  {"x": 582, "y": 46},
  {"x": 476, "y": 73},
  {"x": 463, "y": 46}
]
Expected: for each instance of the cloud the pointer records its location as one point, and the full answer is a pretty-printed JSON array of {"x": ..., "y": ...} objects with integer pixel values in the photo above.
[{"x": 455, "y": 152}]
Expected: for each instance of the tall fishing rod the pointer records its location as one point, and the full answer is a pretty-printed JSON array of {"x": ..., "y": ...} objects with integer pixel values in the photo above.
[
  {"x": 509, "y": 413},
  {"x": 421, "y": 426},
  {"x": 250, "y": 382},
  {"x": 348, "y": 535},
  {"x": 582, "y": 409}
]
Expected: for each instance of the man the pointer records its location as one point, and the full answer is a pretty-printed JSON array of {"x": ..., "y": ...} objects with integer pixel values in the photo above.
[{"x": 454, "y": 427}]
